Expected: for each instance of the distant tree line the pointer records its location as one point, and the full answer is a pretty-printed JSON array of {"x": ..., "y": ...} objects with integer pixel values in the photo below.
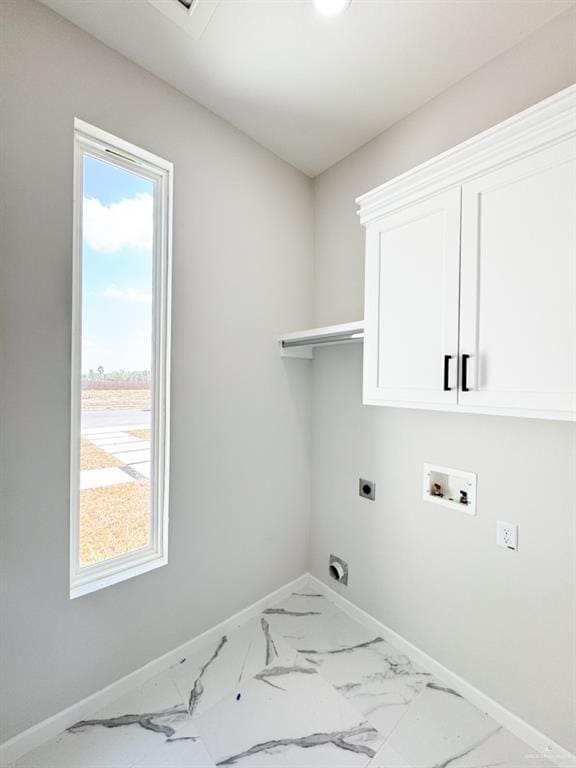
[
  {"x": 120, "y": 375},
  {"x": 120, "y": 379}
]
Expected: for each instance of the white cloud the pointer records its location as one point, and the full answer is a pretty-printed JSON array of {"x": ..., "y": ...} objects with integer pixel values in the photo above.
[
  {"x": 127, "y": 223},
  {"x": 126, "y": 294}
]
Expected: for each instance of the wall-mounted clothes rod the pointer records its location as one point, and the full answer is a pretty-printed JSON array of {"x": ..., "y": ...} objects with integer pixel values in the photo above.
[
  {"x": 302, "y": 343},
  {"x": 333, "y": 338}
]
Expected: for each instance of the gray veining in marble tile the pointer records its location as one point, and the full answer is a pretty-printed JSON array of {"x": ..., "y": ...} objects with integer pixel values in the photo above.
[
  {"x": 299, "y": 611},
  {"x": 388, "y": 758},
  {"x": 301, "y": 686},
  {"x": 308, "y": 594},
  {"x": 271, "y": 650},
  {"x": 218, "y": 670},
  {"x": 270, "y": 672},
  {"x": 159, "y": 722},
  {"x": 340, "y": 739},
  {"x": 435, "y": 686},
  {"x": 286, "y": 612},
  {"x": 184, "y": 750},
  {"x": 468, "y": 750},
  {"x": 377, "y": 679},
  {"x": 302, "y": 722},
  {"x": 340, "y": 649},
  {"x": 441, "y": 730},
  {"x": 198, "y": 688},
  {"x": 118, "y": 734}
]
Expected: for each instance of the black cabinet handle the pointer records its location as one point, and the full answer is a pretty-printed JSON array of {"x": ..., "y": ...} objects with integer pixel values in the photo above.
[
  {"x": 465, "y": 359},
  {"x": 447, "y": 386}
]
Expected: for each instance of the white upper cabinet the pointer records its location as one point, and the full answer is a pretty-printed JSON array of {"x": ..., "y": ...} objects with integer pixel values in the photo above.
[
  {"x": 471, "y": 274},
  {"x": 412, "y": 303},
  {"x": 518, "y": 295}
]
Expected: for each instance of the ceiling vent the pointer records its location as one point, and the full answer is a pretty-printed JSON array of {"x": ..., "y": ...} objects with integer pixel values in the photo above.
[{"x": 195, "y": 18}]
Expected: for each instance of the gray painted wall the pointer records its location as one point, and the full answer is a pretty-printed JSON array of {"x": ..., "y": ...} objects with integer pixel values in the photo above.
[
  {"x": 242, "y": 274},
  {"x": 504, "y": 621}
]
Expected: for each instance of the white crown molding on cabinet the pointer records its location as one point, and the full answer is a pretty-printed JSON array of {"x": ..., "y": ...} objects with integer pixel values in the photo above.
[{"x": 549, "y": 120}]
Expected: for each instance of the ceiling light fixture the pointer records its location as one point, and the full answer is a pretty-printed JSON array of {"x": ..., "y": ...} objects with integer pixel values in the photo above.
[{"x": 331, "y": 7}]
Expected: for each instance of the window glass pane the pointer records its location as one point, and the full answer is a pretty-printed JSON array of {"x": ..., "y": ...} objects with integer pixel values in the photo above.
[{"x": 117, "y": 282}]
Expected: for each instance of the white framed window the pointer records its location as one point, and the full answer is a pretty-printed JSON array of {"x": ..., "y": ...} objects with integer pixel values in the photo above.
[{"x": 121, "y": 308}]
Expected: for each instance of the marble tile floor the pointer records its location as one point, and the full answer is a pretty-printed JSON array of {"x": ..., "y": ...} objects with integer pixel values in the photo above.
[{"x": 300, "y": 686}]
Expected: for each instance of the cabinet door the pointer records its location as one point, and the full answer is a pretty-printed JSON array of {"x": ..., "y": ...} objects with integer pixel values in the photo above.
[
  {"x": 518, "y": 284},
  {"x": 411, "y": 320}
]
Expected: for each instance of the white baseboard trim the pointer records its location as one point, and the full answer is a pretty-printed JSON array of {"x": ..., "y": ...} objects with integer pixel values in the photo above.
[
  {"x": 540, "y": 743},
  {"x": 33, "y": 737}
]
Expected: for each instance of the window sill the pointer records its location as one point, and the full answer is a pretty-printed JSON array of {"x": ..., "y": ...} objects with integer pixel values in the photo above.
[{"x": 84, "y": 586}]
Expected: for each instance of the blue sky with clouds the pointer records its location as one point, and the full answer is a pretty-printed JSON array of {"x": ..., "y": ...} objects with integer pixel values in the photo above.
[{"x": 117, "y": 268}]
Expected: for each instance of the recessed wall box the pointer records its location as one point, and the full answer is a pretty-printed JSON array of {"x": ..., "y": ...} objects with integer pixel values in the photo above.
[
  {"x": 367, "y": 489},
  {"x": 338, "y": 569},
  {"x": 452, "y": 488}
]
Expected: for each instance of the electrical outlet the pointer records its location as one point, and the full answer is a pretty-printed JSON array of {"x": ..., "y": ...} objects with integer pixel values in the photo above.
[
  {"x": 367, "y": 489},
  {"x": 507, "y": 535}
]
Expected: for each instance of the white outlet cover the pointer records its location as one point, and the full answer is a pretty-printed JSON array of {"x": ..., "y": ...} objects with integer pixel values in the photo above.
[{"x": 507, "y": 535}]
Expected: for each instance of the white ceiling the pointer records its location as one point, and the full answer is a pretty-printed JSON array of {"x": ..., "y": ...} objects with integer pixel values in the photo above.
[{"x": 312, "y": 90}]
